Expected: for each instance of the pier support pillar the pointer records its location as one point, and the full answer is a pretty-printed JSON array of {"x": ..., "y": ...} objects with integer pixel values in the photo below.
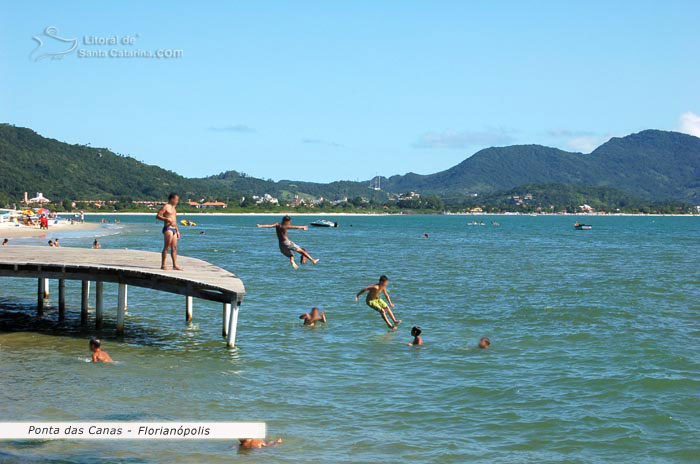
[
  {"x": 121, "y": 309},
  {"x": 233, "y": 323},
  {"x": 40, "y": 297},
  {"x": 225, "y": 319},
  {"x": 61, "y": 299},
  {"x": 126, "y": 299},
  {"x": 85, "y": 294},
  {"x": 46, "y": 289},
  {"x": 99, "y": 304},
  {"x": 188, "y": 309}
]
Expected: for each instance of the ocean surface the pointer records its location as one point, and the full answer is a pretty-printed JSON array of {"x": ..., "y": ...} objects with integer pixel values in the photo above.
[{"x": 595, "y": 353}]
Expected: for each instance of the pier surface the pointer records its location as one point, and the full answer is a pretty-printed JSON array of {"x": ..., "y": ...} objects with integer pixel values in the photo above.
[{"x": 199, "y": 279}]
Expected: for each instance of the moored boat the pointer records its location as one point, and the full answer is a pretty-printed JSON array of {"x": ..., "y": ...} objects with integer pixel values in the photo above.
[
  {"x": 324, "y": 223},
  {"x": 579, "y": 226}
]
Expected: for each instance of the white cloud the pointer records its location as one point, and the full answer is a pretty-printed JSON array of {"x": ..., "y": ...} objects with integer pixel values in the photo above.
[
  {"x": 464, "y": 139},
  {"x": 690, "y": 123},
  {"x": 320, "y": 142},
  {"x": 586, "y": 143},
  {"x": 579, "y": 140},
  {"x": 240, "y": 128}
]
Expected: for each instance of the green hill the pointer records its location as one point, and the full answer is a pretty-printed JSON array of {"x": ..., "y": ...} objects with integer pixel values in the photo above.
[
  {"x": 652, "y": 164},
  {"x": 32, "y": 163}
]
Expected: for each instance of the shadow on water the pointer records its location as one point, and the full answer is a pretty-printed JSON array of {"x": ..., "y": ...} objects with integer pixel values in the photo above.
[{"x": 22, "y": 317}]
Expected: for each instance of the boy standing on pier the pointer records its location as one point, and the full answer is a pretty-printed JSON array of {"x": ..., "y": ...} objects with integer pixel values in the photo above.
[
  {"x": 375, "y": 301},
  {"x": 171, "y": 232},
  {"x": 287, "y": 247}
]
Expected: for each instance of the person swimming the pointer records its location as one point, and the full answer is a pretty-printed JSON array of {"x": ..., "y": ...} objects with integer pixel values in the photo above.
[
  {"x": 98, "y": 356},
  {"x": 310, "y": 319},
  {"x": 484, "y": 343},
  {"x": 415, "y": 333},
  {"x": 257, "y": 443}
]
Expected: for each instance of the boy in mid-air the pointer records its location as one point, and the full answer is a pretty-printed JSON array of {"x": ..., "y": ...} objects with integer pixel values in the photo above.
[
  {"x": 310, "y": 320},
  {"x": 98, "y": 356},
  {"x": 375, "y": 301},
  {"x": 171, "y": 233},
  {"x": 287, "y": 247},
  {"x": 415, "y": 333}
]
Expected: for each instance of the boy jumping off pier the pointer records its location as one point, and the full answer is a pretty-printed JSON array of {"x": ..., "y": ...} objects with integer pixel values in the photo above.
[
  {"x": 375, "y": 301},
  {"x": 287, "y": 247},
  {"x": 171, "y": 233}
]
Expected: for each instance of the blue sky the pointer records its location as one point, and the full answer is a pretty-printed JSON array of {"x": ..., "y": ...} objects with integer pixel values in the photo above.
[{"x": 345, "y": 90}]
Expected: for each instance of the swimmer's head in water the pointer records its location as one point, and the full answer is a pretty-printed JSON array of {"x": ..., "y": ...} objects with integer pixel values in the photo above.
[
  {"x": 383, "y": 279},
  {"x": 286, "y": 220},
  {"x": 50, "y": 242},
  {"x": 416, "y": 331},
  {"x": 484, "y": 343},
  {"x": 94, "y": 344}
]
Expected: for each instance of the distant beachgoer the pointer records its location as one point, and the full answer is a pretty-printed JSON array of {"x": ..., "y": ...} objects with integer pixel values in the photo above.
[
  {"x": 415, "y": 333},
  {"x": 310, "y": 319},
  {"x": 98, "y": 356},
  {"x": 82, "y": 216},
  {"x": 171, "y": 232},
  {"x": 257, "y": 443},
  {"x": 44, "y": 222},
  {"x": 5, "y": 242},
  {"x": 287, "y": 247},
  {"x": 375, "y": 301},
  {"x": 55, "y": 243},
  {"x": 426, "y": 236},
  {"x": 51, "y": 243},
  {"x": 201, "y": 232},
  {"x": 484, "y": 343},
  {"x": 96, "y": 245}
]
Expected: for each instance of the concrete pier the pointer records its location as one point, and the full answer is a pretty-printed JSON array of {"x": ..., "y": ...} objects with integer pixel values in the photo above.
[{"x": 199, "y": 279}]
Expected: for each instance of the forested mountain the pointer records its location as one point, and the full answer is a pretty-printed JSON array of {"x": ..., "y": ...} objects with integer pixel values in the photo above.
[{"x": 652, "y": 165}]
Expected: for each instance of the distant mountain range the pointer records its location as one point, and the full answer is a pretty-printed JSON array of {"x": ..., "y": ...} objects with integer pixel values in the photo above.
[{"x": 653, "y": 165}]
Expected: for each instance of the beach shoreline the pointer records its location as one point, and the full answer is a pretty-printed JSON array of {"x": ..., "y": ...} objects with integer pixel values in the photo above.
[
  {"x": 10, "y": 230},
  {"x": 291, "y": 213}
]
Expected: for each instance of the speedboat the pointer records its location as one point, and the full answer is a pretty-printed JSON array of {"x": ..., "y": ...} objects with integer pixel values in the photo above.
[
  {"x": 324, "y": 223},
  {"x": 579, "y": 226}
]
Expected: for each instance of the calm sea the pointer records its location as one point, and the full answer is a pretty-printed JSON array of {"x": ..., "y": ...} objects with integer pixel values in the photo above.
[{"x": 595, "y": 352}]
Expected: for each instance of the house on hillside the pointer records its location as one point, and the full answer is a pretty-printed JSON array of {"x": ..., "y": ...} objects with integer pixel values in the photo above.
[
  {"x": 38, "y": 199},
  {"x": 212, "y": 205}
]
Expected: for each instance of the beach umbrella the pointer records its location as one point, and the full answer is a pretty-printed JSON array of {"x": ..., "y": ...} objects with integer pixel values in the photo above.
[
  {"x": 42, "y": 211},
  {"x": 28, "y": 212}
]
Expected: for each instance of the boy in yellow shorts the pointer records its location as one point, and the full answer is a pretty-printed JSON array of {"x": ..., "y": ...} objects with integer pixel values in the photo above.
[{"x": 375, "y": 301}]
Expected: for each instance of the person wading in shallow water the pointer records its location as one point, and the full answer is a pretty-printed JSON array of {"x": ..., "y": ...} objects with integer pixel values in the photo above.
[{"x": 171, "y": 233}]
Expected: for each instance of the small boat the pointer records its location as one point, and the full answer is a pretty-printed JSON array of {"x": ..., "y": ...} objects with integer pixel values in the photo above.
[
  {"x": 579, "y": 226},
  {"x": 324, "y": 223}
]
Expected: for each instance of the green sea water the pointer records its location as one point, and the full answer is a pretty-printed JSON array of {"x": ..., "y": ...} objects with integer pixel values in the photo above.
[{"x": 595, "y": 353}]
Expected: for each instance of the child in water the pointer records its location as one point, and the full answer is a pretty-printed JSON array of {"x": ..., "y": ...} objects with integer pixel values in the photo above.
[
  {"x": 98, "y": 356},
  {"x": 415, "y": 333},
  {"x": 310, "y": 320},
  {"x": 257, "y": 443},
  {"x": 375, "y": 301},
  {"x": 484, "y": 343}
]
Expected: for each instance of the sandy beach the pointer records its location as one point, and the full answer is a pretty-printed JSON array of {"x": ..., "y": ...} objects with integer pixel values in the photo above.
[{"x": 10, "y": 230}]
